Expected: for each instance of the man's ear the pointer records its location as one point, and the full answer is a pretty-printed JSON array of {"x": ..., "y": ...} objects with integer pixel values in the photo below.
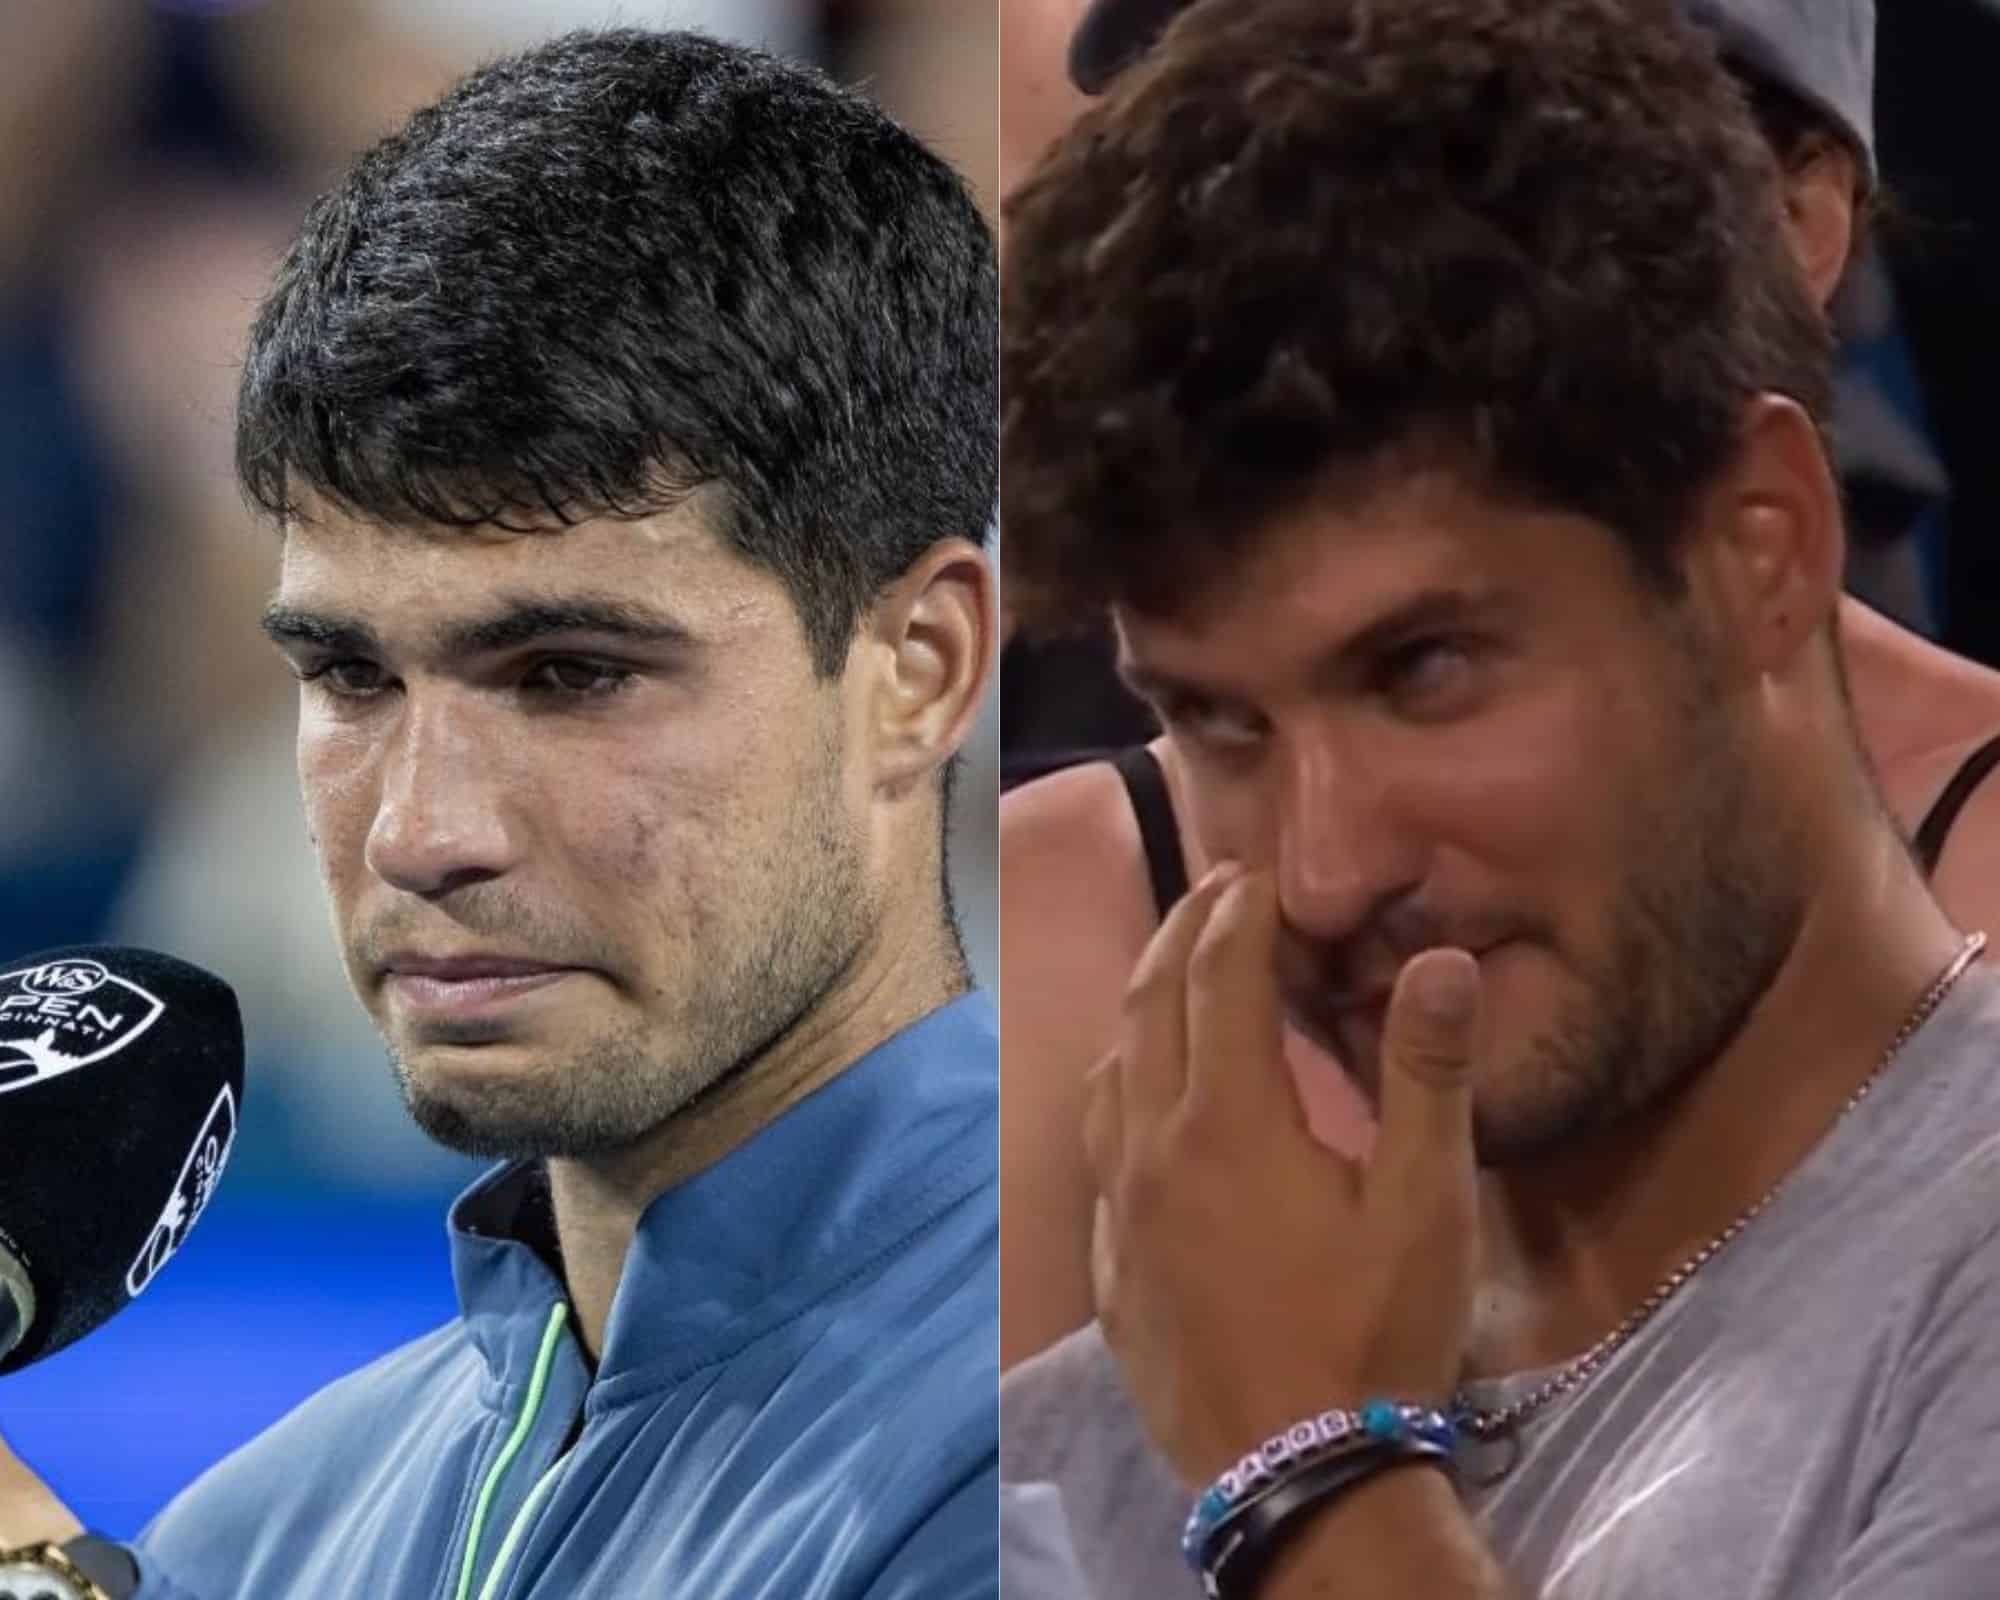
[
  {"x": 1819, "y": 215},
  {"x": 931, "y": 639},
  {"x": 1773, "y": 541}
]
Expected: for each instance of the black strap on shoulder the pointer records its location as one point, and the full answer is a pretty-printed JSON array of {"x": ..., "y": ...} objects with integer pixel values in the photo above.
[
  {"x": 1944, "y": 812},
  {"x": 1153, "y": 807}
]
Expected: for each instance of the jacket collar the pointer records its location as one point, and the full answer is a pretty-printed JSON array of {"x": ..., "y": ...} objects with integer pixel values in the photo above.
[{"x": 842, "y": 1177}]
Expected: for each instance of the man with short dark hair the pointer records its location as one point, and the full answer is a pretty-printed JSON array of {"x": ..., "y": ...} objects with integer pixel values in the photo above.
[
  {"x": 629, "y": 419},
  {"x": 1428, "y": 391}
]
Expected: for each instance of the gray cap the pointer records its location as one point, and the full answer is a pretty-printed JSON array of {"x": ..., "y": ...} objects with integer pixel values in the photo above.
[{"x": 1821, "y": 50}]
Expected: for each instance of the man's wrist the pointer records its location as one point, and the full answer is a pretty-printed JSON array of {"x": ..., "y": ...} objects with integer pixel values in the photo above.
[
  {"x": 30, "y": 1513},
  {"x": 1401, "y": 1532},
  {"x": 1251, "y": 1508}
]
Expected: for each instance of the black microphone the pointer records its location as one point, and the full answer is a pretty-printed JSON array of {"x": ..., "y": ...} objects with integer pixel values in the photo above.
[{"x": 121, "y": 1081}]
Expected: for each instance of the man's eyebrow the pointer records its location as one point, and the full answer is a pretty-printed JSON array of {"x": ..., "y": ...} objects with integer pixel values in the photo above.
[
  {"x": 524, "y": 621},
  {"x": 1151, "y": 683},
  {"x": 516, "y": 623},
  {"x": 287, "y": 625},
  {"x": 1431, "y": 609}
]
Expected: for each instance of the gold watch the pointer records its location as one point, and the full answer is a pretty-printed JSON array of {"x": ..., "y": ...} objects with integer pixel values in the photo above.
[{"x": 45, "y": 1571}]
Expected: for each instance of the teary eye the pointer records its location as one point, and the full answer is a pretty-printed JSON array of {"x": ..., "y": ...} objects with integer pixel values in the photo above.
[
  {"x": 1431, "y": 676},
  {"x": 1209, "y": 721},
  {"x": 350, "y": 677},
  {"x": 575, "y": 676}
]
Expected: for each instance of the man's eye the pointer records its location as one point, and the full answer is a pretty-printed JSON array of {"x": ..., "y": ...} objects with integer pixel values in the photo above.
[
  {"x": 1211, "y": 722},
  {"x": 1430, "y": 676},
  {"x": 570, "y": 676},
  {"x": 350, "y": 679}
]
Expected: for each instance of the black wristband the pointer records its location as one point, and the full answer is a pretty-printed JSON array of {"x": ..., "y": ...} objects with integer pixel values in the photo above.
[
  {"x": 1243, "y": 1545},
  {"x": 105, "y": 1563}
]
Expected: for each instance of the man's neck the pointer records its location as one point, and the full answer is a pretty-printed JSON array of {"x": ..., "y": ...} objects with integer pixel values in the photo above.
[
  {"x": 1574, "y": 1244},
  {"x": 598, "y": 1202}
]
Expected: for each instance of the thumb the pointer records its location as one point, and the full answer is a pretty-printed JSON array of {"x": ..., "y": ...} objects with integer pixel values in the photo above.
[{"x": 1428, "y": 1044}]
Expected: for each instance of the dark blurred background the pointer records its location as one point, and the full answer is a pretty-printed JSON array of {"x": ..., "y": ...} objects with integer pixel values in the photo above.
[{"x": 153, "y": 161}]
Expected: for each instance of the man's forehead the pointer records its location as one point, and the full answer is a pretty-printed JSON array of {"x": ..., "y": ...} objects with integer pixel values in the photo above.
[
  {"x": 1324, "y": 579},
  {"x": 1340, "y": 563},
  {"x": 671, "y": 563}
]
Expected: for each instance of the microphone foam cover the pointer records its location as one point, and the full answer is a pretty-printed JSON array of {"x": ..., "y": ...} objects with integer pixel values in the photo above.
[{"x": 121, "y": 1082}]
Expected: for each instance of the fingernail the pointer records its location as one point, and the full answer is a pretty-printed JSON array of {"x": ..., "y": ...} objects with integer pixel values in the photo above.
[
  {"x": 1224, "y": 873},
  {"x": 1444, "y": 986}
]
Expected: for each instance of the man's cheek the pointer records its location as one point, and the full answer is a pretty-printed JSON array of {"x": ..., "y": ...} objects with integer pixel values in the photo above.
[{"x": 640, "y": 862}]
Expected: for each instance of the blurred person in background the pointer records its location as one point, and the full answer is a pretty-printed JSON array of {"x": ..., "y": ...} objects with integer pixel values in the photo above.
[
  {"x": 62, "y": 835},
  {"x": 1095, "y": 856},
  {"x": 1463, "y": 501},
  {"x": 633, "y": 666},
  {"x": 1061, "y": 701},
  {"x": 153, "y": 795}
]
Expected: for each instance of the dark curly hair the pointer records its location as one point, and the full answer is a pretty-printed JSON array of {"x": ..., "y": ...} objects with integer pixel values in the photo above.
[
  {"x": 608, "y": 272},
  {"x": 1303, "y": 244}
]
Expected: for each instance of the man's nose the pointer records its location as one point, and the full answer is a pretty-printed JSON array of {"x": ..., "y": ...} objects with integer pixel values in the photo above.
[
  {"x": 441, "y": 818},
  {"x": 1342, "y": 851}
]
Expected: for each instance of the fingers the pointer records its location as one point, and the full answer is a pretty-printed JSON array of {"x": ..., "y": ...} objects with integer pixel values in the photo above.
[
  {"x": 1424, "y": 1142},
  {"x": 1236, "y": 1048},
  {"x": 1153, "y": 1040}
]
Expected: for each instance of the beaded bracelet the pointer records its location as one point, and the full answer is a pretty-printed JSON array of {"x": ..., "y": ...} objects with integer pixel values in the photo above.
[
  {"x": 1328, "y": 1435},
  {"x": 1248, "y": 1538}
]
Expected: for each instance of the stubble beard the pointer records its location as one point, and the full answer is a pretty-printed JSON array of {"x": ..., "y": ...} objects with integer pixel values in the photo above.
[
  {"x": 1707, "y": 915},
  {"x": 806, "y": 912}
]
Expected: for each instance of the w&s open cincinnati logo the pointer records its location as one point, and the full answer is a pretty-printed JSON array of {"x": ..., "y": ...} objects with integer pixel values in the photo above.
[
  {"x": 65, "y": 1014},
  {"x": 190, "y": 1197}
]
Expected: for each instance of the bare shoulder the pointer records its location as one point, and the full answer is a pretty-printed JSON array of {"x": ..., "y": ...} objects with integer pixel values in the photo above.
[
  {"x": 1929, "y": 711},
  {"x": 1075, "y": 899},
  {"x": 1055, "y": 812},
  {"x": 1076, "y": 910},
  {"x": 1967, "y": 880}
]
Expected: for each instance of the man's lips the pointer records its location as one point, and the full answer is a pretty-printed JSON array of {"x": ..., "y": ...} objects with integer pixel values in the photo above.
[
  {"x": 459, "y": 968},
  {"x": 464, "y": 984},
  {"x": 1322, "y": 1013},
  {"x": 1326, "y": 1011}
]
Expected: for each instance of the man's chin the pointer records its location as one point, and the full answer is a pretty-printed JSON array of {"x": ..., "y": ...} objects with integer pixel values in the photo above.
[
  {"x": 528, "y": 1099},
  {"x": 509, "y": 1132},
  {"x": 489, "y": 1100},
  {"x": 1511, "y": 1124},
  {"x": 1537, "y": 1110}
]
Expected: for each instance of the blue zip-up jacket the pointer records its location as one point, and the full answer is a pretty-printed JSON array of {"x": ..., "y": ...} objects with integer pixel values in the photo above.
[{"x": 796, "y": 1399}]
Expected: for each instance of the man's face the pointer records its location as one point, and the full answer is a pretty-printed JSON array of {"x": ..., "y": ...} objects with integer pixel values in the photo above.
[
  {"x": 582, "y": 809},
  {"x": 1446, "y": 721}
]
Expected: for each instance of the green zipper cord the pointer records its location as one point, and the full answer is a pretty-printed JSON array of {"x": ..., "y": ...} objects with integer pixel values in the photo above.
[
  {"x": 545, "y": 1358},
  {"x": 521, "y": 1520}
]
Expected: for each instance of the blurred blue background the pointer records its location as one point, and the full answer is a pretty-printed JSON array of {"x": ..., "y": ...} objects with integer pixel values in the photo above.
[{"x": 153, "y": 160}]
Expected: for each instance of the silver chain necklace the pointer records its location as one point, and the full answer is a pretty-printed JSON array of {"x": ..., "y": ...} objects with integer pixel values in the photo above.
[{"x": 1485, "y": 1425}]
